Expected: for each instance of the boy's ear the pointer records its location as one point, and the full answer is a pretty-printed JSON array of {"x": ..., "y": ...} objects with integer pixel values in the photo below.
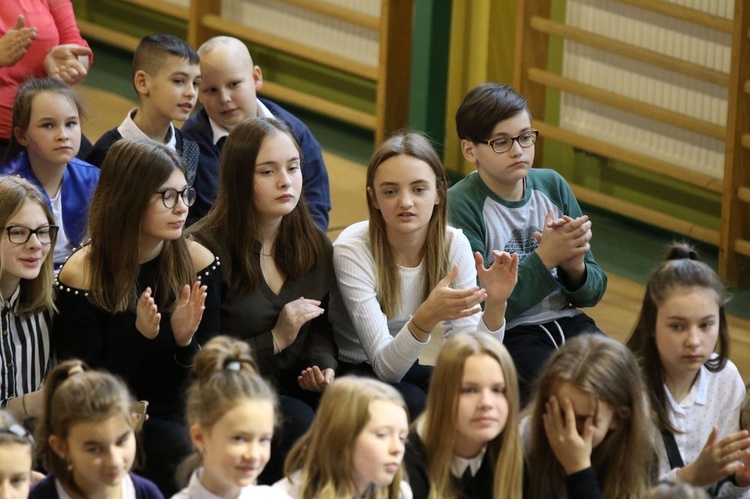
[
  {"x": 20, "y": 136},
  {"x": 258, "y": 78},
  {"x": 140, "y": 81},
  {"x": 373, "y": 198},
  {"x": 59, "y": 447},
  {"x": 468, "y": 148}
]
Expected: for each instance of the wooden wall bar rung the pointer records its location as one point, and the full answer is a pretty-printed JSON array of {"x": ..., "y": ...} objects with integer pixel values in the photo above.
[
  {"x": 746, "y": 87},
  {"x": 338, "y": 12},
  {"x": 319, "y": 105},
  {"x": 107, "y": 35},
  {"x": 627, "y": 104},
  {"x": 218, "y": 23},
  {"x": 742, "y": 246},
  {"x": 630, "y": 51},
  {"x": 648, "y": 163},
  {"x": 743, "y": 194},
  {"x": 684, "y": 13},
  {"x": 651, "y": 217},
  {"x": 745, "y": 140},
  {"x": 166, "y": 8}
]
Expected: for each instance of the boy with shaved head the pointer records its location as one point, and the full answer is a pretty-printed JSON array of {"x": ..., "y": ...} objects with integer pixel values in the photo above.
[{"x": 228, "y": 92}]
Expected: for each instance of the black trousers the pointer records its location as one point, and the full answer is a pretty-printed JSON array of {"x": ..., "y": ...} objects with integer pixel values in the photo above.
[{"x": 531, "y": 345}]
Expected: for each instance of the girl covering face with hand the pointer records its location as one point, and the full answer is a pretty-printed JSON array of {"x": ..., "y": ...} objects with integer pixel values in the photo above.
[
  {"x": 589, "y": 432},
  {"x": 682, "y": 341},
  {"x": 86, "y": 439},
  {"x": 467, "y": 443},
  {"x": 354, "y": 447},
  {"x": 232, "y": 416}
]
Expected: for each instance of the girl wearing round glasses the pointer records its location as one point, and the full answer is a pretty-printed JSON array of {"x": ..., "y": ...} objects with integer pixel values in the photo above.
[
  {"x": 26, "y": 301},
  {"x": 130, "y": 301}
]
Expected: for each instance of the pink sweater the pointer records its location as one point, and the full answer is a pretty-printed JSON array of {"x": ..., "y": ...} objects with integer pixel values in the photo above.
[{"x": 56, "y": 25}]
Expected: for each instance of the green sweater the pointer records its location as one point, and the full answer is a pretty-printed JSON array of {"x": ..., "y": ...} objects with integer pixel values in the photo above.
[{"x": 490, "y": 222}]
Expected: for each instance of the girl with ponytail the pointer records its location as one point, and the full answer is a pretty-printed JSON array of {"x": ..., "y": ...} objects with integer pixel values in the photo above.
[{"x": 232, "y": 415}]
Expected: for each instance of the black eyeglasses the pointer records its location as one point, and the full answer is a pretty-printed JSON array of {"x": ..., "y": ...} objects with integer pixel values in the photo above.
[
  {"x": 18, "y": 234},
  {"x": 503, "y": 144},
  {"x": 169, "y": 196}
]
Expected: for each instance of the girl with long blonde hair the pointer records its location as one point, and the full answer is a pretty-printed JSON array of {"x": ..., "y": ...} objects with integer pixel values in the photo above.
[
  {"x": 405, "y": 271},
  {"x": 355, "y": 446},
  {"x": 467, "y": 443},
  {"x": 589, "y": 433}
]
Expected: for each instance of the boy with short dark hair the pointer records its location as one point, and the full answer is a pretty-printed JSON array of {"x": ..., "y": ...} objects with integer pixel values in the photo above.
[
  {"x": 230, "y": 82},
  {"x": 509, "y": 206},
  {"x": 166, "y": 74}
]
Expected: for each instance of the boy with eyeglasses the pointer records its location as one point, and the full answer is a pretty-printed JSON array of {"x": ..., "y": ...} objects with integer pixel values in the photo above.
[{"x": 506, "y": 205}]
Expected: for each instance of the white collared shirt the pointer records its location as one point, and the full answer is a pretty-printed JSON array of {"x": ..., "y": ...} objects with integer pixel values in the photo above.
[
  {"x": 221, "y": 132},
  {"x": 129, "y": 130},
  {"x": 459, "y": 464},
  {"x": 196, "y": 490},
  {"x": 128, "y": 489}
]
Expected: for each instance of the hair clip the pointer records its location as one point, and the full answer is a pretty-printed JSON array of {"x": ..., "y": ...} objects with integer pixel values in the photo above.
[
  {"x": 19, "y": 431},
  {"x": 232, "y": 365}
]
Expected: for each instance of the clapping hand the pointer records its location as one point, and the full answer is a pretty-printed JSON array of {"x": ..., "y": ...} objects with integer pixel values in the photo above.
[
  {"x": 188, "y": 313},
  {"x": 15, "y": 42},
  {"x": 62, "y": 62}
]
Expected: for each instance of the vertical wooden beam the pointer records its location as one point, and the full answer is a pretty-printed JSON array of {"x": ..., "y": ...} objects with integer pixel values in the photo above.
[
  {"x": 197, "y": 33},
  {"x": 735, "y": 214},
  {"x": 392, "y": 102},
  {"x": 531, "y": 51}
]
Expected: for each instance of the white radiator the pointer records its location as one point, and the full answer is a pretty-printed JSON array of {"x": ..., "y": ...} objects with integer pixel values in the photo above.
[
  {"x": 304, "y": 26},
  {"x": 649, "y": 84}
]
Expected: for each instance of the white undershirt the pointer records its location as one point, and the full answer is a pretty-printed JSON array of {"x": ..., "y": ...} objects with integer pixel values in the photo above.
[
  {"x": 63, "y": 246},
  {"x": 128, "y": 489}
]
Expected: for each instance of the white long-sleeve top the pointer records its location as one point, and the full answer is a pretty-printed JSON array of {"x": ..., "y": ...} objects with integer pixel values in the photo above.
[{"x": 362, "y": 331}]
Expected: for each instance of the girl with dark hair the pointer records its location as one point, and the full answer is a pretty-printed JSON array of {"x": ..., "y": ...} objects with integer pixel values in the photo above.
[
  {"x": 277, "y": 270},
  {"x": 140, "y": 299},
  {"x": 682, "y": 342},
  {"x": 405, "y": 271}
]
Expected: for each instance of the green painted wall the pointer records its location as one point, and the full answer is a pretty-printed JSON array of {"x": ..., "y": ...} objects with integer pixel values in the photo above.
[{"x": 429, "y": 68}]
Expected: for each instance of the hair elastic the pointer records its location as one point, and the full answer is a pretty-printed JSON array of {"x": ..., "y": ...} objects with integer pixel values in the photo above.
[{"x": 232, "y": 365}]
